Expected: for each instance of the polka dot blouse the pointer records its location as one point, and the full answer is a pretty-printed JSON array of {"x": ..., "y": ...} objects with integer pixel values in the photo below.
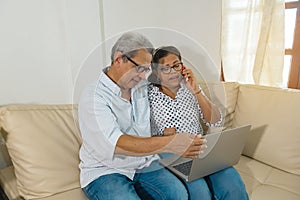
[{"x": 183, "y": 112}]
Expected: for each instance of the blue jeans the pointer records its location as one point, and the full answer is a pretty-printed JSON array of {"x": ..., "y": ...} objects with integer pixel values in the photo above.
[
  {"x": 153, "y": 182},
  {"x": 225, "y": 184},
  {"x": 222, "y": 185}
]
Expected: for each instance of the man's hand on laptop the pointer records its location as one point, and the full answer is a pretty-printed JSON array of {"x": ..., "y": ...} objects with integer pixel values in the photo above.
[{"x": 187, "y": 145}]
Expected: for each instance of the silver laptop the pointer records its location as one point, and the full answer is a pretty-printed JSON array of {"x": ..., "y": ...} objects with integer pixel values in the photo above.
[{"x": 223, "y": 150}]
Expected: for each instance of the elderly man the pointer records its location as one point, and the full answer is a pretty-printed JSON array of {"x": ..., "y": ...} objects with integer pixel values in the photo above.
[{"x": 118, "y": 155}]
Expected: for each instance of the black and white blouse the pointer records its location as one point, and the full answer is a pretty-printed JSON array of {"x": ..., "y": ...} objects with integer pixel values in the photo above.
[{"x": 183, "y": 111}]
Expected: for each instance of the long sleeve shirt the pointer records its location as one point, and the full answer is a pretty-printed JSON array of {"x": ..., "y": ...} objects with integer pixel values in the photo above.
[{"x": 103, "y": 117}]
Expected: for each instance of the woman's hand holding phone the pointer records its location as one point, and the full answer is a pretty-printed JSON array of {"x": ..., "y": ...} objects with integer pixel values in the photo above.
[{"x": 189, "y": 79}]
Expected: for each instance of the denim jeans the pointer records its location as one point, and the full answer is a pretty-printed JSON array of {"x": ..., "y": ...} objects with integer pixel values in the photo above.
[
  {"x": 153, "y": 182},
  {"x": 225, "y": 184},
  {"x": 222, "y": 185}
]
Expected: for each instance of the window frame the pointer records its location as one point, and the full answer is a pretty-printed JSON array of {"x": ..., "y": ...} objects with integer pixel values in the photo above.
[{"x": 294, "y": 75}]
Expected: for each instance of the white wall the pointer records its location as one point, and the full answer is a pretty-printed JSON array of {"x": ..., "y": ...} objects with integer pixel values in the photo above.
[
  {"x": 43, "y": 43},
  {"x": 198, "y": 19}
]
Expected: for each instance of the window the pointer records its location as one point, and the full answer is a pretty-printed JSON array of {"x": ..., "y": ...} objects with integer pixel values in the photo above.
[{"x": 292, "y": 43}]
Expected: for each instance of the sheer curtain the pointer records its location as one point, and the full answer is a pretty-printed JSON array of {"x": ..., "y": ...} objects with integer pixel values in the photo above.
[{"x": 252, "y": 42}]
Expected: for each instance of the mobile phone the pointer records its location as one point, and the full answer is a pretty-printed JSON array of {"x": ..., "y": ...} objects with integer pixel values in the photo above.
[{"x": 183, "y": 68}]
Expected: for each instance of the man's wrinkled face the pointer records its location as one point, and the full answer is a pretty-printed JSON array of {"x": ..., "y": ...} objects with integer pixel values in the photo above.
[{"x": 135, "y": 69}]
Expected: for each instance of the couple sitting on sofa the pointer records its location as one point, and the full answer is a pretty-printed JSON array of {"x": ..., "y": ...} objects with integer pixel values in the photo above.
[{"x": 118, "y": 155}]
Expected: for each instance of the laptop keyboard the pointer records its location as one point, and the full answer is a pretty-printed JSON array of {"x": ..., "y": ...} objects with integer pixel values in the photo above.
[{"x": 184, "y": 168}]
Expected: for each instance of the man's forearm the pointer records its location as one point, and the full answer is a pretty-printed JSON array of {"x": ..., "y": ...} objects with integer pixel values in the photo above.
[
  {"x": 183, "y": 144},
  {"x": 142, "y": 146}
]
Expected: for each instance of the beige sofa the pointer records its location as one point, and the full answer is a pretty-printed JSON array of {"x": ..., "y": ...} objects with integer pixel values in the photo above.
[{"x": 43, "y": 144}]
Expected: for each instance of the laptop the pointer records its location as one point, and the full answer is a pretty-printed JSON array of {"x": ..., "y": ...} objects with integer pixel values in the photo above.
[{"x": 223, "y": 150}]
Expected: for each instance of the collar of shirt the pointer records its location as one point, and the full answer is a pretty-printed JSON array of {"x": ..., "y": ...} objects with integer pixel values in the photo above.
[{"x": 156, "y": 90}]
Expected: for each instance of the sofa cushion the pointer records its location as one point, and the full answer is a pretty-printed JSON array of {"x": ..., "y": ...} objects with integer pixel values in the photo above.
[
  {"x": 74, "y": 194},
  {"x": 231, "y": 94},
  {"x": 274, "y": 115},
  {"x": 224, "y": 95},
  {"x": 266, "y": 182},
  {"x": 43, "y": 143}
]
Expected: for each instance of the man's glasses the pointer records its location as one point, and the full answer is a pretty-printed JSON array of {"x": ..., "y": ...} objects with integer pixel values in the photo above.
[
  {"x": 167, "y": 69},
  {"x": 139, "y": 68}
]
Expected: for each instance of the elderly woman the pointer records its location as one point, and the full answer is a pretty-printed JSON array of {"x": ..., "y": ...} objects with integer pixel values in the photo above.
[{"x": 177, "y": 103}]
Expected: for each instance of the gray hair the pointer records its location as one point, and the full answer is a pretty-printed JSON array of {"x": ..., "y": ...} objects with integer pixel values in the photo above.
[{"x": 129, "y": 43}]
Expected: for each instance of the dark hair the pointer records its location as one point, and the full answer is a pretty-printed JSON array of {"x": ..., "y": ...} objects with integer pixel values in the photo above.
[{"x": 157, "y": 55}]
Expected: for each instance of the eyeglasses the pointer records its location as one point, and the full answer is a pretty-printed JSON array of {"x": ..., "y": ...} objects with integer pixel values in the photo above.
[
  {"x": 167, "y": 69},
  {"x": 139, "y": 68}
]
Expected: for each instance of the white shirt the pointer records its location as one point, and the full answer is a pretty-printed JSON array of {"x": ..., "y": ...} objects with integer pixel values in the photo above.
[{"x": 103, "y": 117}]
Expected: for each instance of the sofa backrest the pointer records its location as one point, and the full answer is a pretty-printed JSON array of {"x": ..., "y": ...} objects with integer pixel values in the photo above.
[
  {"x": 43, "y": 143},
  {"x": 275, "y": 118},
  {"x": 224, "y": 95}
]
